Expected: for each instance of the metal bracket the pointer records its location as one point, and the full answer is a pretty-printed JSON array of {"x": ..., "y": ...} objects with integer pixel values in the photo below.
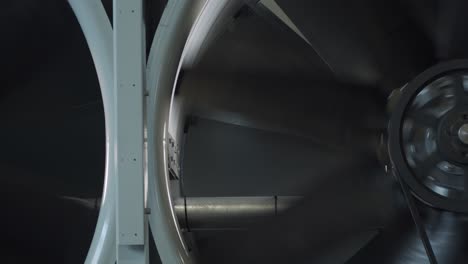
[{"x": 173, "y": 152}]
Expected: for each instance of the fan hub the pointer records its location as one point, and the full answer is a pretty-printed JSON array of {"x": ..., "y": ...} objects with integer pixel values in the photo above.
[
  {"x": 453, "y": 137},
  {"x": 428, "y": 136},
  {"x": 463, "y": 133}
]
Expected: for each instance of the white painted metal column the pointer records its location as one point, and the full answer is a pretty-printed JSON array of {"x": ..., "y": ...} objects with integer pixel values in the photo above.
[{"x": 129, "y": 67}]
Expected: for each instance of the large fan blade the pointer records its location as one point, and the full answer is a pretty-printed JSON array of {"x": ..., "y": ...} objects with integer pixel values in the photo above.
[
  {"x": 328, "y": 113},
  {"x": 251, "y": 45},
  {"x": 450, "y": 32},
  {"x": 423, "y": 13},
  {"x": 397, "y": 243},
  {"x": 401, "y": 244},
  {"x": 359, "y": 40},
  {"x": 350, "y": 200}
]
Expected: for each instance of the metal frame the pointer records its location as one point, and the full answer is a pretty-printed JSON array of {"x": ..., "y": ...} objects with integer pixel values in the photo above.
[
  {"x": 129, "y": 66},
  {"x": 162, "y": 69},
  {"x": 122, "y": 86},
  {"x": 122, "y": 81},
  {"x": 122, "y": 208}
]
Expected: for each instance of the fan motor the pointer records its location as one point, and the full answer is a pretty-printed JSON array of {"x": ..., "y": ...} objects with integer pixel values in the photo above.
[{"x": 428, "y": 136}]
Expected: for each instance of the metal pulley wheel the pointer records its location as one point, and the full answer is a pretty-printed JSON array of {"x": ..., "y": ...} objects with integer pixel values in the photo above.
[{"x": 427, "y": 143}]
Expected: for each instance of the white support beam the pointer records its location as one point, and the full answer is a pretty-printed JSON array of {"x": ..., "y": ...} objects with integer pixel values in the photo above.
[{"x": 129, "y": 66}]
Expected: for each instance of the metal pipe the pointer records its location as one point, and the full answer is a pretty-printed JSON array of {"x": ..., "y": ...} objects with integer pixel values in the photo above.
[{"x": 202, "y": 213}]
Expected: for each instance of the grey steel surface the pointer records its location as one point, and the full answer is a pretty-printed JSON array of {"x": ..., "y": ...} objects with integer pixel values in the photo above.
[{"x": 198, "y": 213}]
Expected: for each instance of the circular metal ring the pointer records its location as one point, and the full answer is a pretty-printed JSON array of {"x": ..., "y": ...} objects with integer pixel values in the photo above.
[{"x": 184, "y": 25}]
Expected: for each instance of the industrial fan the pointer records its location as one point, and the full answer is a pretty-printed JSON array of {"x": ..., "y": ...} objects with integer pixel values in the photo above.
[
  {"x": 361, "y": 104},
  {"x": 274, "y": 131}
]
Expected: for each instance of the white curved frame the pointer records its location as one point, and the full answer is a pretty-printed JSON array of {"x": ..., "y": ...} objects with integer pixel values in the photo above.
[
  {"x": 169, "y": 52},
  {"x": 162, "y": 66},
  {"x": 180, "y": 18},
  {"x": 98, "y": 33}
]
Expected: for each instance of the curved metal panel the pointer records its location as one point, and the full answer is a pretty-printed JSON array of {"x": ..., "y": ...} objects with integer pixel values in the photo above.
[
  {"x": 162, "y": 68},
  {"x": 183, "y": 22},
  {"x": 98, "y": 33}
]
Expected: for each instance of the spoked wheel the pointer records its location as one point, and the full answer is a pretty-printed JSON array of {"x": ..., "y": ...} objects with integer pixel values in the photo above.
[{"x": 314, "y": 131}]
